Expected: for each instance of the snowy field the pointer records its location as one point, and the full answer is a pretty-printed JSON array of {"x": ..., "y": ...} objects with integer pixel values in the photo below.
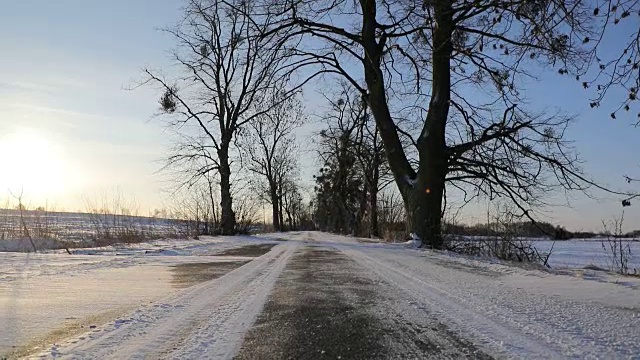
[
  {"x": 580, "y": 253},
  {"x": 585, "y": 252},
  {"x": 74, "y": 227},
  {"x": 119, "y": 302}
]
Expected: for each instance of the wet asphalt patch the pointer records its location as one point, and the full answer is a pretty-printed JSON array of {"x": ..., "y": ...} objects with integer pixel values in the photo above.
[
  {"x": 188, "y": 274},
  {"x": 316, "y": 310},
  {"x": 253, "y": 250},
  {"x": 325, "y": 305}
]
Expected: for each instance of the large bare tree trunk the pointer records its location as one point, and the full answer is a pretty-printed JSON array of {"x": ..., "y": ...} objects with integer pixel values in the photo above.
[
  {"x": 374, "y": 230},
  {"x": 228, "y": 218},
  {"x": 422, "y": 192},
  {"x": 425, "y": 202},
  {"x": 275, "y": 207},
  {"x": 424, "y": 211}
]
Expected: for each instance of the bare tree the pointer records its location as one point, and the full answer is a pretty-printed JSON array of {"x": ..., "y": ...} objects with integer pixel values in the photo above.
[
  {"x": 227, "y": 70},
  {"x": 355, "y": 168},
  {"x": 617, "y": 64},
  {"x": 373, "y": 164},
  {"x": 340, "y": 193},
  {"x": 21, "y": 208},
  {"x": 458, "y": 65},
  {"x": 298, "y": 216},
  {"x": 270, "y": 149},
  {"x": 617, "y": 248},
  {"x": 353, "y": 155}
]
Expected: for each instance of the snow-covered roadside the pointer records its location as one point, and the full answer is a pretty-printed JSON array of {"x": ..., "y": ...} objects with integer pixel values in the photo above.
[
  {"x": 514, "y": 315},
  {"x": 57, "y": 292},
  {"x": 205, "y": 321},
  {"x": 509, "y": 311},
  {"x": 33, "y": 309}
]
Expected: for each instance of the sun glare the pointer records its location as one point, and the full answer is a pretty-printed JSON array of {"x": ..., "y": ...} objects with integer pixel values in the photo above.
[{"x": 32, "y": 163}]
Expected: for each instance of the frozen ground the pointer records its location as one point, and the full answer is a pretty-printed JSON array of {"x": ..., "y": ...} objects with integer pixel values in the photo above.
[{"x": 492, "y": 309}]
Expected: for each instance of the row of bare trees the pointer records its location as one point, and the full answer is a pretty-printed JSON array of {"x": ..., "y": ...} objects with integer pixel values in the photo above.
[
  {"x": 233, "y": 90},
  {"x": 270, "y": 149},
  {"x": 435, "y": 97}
]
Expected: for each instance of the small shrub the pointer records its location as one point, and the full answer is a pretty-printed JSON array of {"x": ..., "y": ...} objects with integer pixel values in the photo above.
[
  {"x": 505, "y": 244},
  {"x": 617, "y": 247}
]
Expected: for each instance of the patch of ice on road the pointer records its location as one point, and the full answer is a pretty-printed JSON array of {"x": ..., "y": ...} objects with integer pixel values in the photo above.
[
  {"x": 31, "y": 308},
  {"x": 159, "y": 252}
]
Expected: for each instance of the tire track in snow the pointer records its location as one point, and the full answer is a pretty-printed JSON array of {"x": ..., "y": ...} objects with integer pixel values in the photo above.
[
  {"x": 208, "y": 320},
  {"x": 497, "y": 319}
]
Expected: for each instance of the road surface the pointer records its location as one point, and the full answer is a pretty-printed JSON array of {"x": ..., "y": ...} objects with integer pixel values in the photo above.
[{"x": 324, "y": 296}]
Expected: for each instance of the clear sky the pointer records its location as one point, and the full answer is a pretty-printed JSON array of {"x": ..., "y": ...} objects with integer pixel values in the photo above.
[{"x": 69, "y": 130}]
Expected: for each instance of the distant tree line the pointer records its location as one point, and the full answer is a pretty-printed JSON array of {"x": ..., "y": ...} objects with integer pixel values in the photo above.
[
  {"x": 530, "y": 230},
  {"x": 522, "y": 229}
]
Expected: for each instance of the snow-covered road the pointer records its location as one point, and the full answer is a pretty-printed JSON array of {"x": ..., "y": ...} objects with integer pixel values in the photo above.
[
  {"x": 206, "y": 321},
  {"x": 508, "y": 311},
  {"x": 504, "y": 316},
  {"x": 500, "y": 310}
]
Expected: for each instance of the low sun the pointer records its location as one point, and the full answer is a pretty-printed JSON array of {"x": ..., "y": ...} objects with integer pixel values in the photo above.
[{"x": 31, "y": 162}]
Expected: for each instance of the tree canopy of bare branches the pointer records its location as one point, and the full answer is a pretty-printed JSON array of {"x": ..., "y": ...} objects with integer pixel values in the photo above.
[
  {"x": 617, "y": 57},
  {"x": 458, "y": 66},
  {"x": 271, "y": 150}
]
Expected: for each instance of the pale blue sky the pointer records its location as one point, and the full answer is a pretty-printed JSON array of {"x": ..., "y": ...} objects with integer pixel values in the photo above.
[{"x": 63, "y": 66}]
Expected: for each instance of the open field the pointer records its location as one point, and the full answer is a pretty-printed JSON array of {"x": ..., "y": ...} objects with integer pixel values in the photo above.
[
  {"x": 57, "y": 229},
  {"x": 581, "y": 253},
  {"x": 51, "y": 229},
  {"x": 578, "y": 253}
]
